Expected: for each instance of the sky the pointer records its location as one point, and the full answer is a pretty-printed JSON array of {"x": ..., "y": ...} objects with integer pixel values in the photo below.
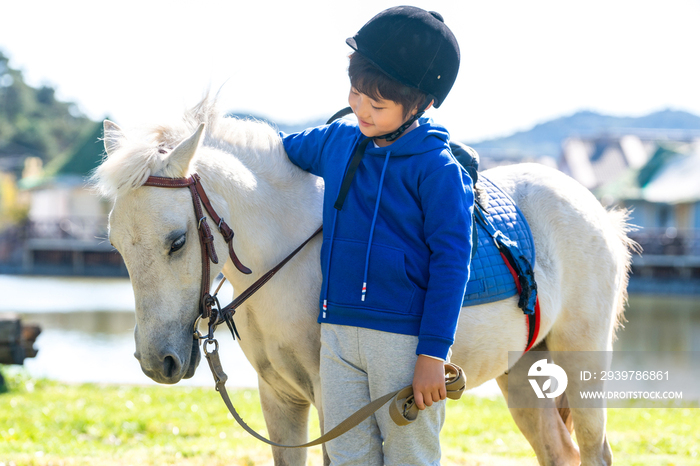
[{"x": 523, "y": 62}]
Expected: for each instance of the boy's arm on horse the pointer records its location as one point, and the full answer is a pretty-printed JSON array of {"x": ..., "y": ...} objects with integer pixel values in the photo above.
[
  {"x": 305, "y": 148},
  {"x": 448, "y": 202}
]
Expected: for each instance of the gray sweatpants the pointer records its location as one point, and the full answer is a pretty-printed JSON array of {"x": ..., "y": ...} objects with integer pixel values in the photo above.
[{"x": 359, "y": 365}]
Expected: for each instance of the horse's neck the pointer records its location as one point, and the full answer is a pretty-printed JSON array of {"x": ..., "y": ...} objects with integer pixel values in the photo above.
[{"x": 272, "y": 206}]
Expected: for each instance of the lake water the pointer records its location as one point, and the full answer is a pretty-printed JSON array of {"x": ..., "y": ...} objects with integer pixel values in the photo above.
[{"x": 87, "y": 330}]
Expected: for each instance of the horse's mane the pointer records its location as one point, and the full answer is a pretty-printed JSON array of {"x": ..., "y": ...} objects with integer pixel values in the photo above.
[{"x": 142, "y": 152}]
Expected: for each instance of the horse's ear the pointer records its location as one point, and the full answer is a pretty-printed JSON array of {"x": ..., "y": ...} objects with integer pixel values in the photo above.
[
  {"x": 113, "y": 135},
  {"x": 179, "y": 159}
]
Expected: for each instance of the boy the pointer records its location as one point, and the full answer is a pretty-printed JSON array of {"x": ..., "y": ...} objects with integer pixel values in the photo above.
[{"x": 396, "y": 248}]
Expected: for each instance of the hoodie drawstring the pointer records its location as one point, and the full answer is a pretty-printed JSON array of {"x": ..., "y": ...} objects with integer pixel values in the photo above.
[
  {"x": 343, "y": 190},
  {"x": 374, "y": 221},
  {"x": 328, "y": 265}
]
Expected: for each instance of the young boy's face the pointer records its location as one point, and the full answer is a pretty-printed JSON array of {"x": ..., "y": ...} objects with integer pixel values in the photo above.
[{"x": 376, "y": 117}]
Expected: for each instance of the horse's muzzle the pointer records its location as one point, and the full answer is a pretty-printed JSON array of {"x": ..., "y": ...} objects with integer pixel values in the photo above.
[{"x": 169, "y": 367}]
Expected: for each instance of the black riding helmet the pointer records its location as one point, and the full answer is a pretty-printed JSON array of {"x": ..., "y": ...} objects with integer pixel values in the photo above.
[{"x": 414, "y": 47}]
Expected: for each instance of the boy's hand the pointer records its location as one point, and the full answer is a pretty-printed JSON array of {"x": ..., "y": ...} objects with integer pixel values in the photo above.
[{"x": 428, "y": 381}]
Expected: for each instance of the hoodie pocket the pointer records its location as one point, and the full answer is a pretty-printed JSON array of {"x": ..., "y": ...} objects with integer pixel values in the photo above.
[{"x": 388, "y": 285}]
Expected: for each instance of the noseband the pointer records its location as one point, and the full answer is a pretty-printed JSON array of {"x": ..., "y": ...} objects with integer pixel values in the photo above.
[{"x": 206, "y": 240}]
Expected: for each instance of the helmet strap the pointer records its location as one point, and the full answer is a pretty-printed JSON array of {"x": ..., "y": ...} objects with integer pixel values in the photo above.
[
  {"x": 402, "y": 129},
  {"x": 360, "y": 151}
]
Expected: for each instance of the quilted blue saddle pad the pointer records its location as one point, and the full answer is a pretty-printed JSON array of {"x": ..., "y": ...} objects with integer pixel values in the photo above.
[{"x": 489, "y": 277}]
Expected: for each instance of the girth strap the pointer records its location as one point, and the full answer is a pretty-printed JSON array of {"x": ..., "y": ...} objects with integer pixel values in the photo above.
[{"x": 522, "y": 272}]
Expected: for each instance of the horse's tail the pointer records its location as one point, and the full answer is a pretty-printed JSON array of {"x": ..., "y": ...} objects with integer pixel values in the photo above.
[{"x": 625, "y": 247}]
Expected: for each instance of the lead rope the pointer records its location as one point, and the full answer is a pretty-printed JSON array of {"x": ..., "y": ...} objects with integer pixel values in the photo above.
[{"x": 403, "y": 410}]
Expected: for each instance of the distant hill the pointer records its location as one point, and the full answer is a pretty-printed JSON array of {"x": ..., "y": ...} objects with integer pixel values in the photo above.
[{"x": 545, "y": 139}]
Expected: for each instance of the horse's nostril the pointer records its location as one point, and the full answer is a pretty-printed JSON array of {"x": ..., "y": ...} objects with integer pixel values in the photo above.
[{"x": 170, "y": 366}]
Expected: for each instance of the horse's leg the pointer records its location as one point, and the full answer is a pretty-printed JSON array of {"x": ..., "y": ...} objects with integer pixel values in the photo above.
[
  {"x": 287, "y": 423},
  {"x": 318, "y": 403},
  {"x": 545, "y": 430},
  {"x": 586, "y": 327},
  {"x": 589, "y": 423}
]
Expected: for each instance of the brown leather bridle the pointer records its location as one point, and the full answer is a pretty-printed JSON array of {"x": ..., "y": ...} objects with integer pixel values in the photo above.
[
  {"x": 207, "y": 302},
  {"x": 206, "y": 240}
]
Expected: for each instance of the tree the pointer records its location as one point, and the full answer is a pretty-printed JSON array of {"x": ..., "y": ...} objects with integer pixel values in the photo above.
[{"x": 32, "y": 121}]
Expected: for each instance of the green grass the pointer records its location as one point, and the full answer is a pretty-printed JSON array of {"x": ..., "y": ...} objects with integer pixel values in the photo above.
[{"x": 49, "y": 423}]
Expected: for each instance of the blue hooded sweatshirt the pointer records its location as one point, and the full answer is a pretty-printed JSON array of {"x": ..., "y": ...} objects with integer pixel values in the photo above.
[{"x": 396, "y": 257}]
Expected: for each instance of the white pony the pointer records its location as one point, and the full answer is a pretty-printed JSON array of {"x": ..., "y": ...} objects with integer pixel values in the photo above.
[{"x": 272, "y": 206}]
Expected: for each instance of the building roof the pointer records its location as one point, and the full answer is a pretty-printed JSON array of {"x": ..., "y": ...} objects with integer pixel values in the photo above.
[
  {"x": 73, "y": 167},
  {"x": 599, "y": 161},
  {"x": 670, "y": 176},
  {"x": 86, "y": 157},
  {"x": 677, "y": 181}
]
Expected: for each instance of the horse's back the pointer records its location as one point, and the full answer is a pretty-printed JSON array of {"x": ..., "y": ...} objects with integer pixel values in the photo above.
[
  {"x": 582, "y": 249},
  {"x": 580, "y": 268}
]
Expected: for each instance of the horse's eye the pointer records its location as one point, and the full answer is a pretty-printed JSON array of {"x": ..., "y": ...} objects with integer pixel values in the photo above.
[{"x": 178, "y": 244}]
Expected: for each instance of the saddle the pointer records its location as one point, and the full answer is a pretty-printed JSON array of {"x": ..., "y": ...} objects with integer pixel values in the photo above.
[
  {"x": 490, "y": 277},
  {"x": 503, "y": 249}
]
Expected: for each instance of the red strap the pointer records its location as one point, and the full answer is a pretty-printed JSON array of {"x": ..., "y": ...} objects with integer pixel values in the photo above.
[
  {"x": 231, "y": 307},
  {"x": 533, "y": 321},
  {"x": 533, "y": 336}
]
